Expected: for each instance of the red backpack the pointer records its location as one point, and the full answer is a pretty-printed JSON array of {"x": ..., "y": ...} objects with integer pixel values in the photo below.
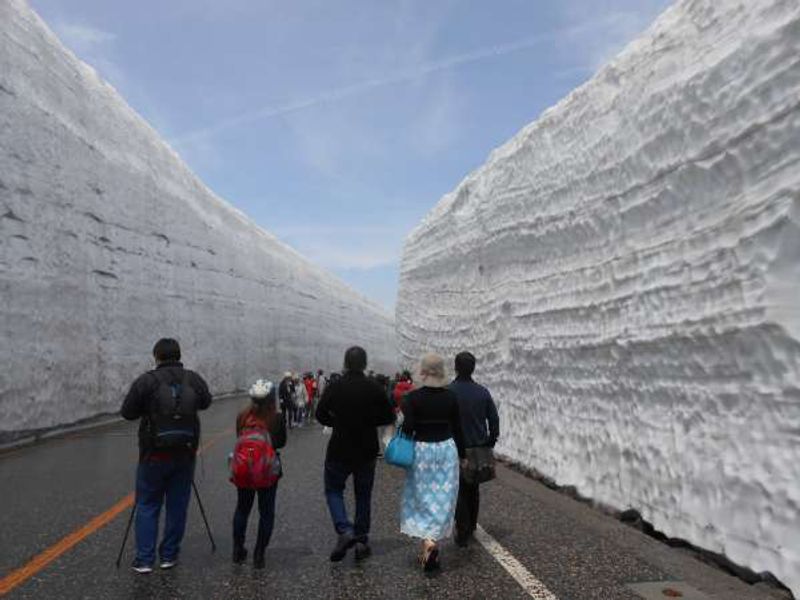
[{"x": 254, "y": 463}]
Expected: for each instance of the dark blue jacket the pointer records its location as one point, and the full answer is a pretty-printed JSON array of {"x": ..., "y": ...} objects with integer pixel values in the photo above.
[{"x": 479, "y": 421}]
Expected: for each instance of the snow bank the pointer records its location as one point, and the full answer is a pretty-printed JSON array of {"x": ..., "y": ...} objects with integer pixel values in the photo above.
[
  {"x": 627, "y": 270},
  {"x": 108, "y": 242}
]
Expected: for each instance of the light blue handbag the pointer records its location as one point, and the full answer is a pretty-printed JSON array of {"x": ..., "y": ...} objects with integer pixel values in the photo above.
[{"x": 400, "y": 450}]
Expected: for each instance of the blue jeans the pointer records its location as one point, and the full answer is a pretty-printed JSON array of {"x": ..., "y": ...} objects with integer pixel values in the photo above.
[
  {"x": 266, "y": 516},
  {"x": 336, "y": 475},
  {"x": 167, "y": 481}
]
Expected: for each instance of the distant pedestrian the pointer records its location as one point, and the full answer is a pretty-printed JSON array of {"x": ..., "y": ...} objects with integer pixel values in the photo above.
[
  {"x": 311, "y": 392},
  {"x": 431, "y": 488},
  {"x": 401, "y": 388},
  {"x": 481, "y": 427},
  {"x": 353, "y": 406},
  {"x": 285, "y": 397},
  {"x": 260, "y": 432},
  {"x": 300, "y": 402},
  {"x": 166, "y": 401}
]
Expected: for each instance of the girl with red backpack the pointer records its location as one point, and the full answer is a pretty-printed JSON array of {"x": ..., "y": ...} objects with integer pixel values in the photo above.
[{"x": 255, "y": 468}]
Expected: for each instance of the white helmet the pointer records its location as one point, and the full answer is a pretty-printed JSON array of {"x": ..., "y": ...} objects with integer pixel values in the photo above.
[{"x": 260, "y": 389}]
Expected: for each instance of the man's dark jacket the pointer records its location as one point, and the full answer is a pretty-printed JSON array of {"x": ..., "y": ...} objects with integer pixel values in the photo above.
[
  {"x": 137, "y": 404},
  {"x": 354, "y": 406},
  {"x": 285, "y": 391},
  {"x": 478, "y": 411}
]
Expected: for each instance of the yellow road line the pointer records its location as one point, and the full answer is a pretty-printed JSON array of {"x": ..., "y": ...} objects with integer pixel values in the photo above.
[{"x": 41, "y": 560}]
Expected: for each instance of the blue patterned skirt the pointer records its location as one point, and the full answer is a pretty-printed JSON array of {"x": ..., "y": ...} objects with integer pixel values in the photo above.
[{"x": 431, "y": 491}]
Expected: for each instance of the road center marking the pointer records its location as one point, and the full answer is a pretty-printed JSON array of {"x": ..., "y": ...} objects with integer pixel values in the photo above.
[
  {"x": 41, "y": 560},
  {"x": 535, "y": 588}
]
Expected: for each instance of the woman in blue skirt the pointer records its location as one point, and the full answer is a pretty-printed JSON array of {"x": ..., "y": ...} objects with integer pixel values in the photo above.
[{"x": 429, "y": 497}]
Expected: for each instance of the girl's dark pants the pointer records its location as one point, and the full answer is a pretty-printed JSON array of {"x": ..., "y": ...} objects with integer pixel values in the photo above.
[{"x": 266, "y": 511}]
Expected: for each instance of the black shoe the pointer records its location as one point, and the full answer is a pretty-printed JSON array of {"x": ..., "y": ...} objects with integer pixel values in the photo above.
[
  {"x": 432, "y": 561},
  {"x": 239, "y": 555},
  {"x": 258, "y": 560},
  {"x": 362, "y": 550},
  {"x": 344, "y": 543},
  {"x": 462, "y": 538}
]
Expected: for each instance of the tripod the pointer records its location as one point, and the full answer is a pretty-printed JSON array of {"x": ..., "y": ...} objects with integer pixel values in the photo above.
[{"x": 133, "y": 513}]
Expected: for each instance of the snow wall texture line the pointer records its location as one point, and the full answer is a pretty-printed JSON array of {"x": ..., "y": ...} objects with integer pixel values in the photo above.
[
  {"x": 627, "y": 270},
  {"x": 108, "y": 242}
]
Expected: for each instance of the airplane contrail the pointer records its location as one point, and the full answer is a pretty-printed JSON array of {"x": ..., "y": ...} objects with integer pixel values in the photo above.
[{"x": 404, "y": 75}]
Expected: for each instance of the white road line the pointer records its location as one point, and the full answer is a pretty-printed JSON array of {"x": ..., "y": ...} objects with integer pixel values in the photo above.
[{"x": 535, "y": 588}]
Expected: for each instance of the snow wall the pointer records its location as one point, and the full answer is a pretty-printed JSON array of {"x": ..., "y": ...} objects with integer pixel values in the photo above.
[
  {"x": 627, "y": 271},
  {"x": 108, "y": 242}
]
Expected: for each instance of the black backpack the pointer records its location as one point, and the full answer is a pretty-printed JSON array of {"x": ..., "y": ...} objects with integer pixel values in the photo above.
[{"x": 173, "y": 412}]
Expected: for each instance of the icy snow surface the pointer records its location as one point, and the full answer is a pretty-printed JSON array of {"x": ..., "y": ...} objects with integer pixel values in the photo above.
[
  {"x": 627, "y": 270},
  {"x": 108, "y": 241}
]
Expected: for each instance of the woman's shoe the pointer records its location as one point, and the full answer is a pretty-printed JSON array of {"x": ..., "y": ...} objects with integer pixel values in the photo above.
[
  {"x": 429, "y": 559},
  {"x": 432, "y": 560}
]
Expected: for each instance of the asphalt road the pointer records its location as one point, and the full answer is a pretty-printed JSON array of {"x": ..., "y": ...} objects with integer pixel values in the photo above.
[{"x": 55, "y": 488}]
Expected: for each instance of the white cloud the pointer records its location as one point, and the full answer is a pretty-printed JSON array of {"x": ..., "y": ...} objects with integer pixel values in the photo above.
[
  {"x": 352, "y": 247},
  {"x": 83, "y": 38},
  {"x": 95, "y": 47},
  {"x": 438, "y": 124}
]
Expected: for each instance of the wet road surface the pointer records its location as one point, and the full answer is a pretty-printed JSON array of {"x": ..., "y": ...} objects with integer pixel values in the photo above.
[{"x": 53, "y": 489}]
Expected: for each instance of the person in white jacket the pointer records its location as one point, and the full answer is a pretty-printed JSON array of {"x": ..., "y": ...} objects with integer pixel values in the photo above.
[{"x": 301, "y": 403}]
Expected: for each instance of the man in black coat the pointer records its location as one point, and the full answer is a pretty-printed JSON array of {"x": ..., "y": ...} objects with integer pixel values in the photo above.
[
  {"x": 166, "y": 400},
  {"x": 353, "y": 406}
]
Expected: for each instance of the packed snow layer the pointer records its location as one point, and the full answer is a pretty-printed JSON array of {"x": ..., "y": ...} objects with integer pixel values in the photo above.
[
  {"x": 108, "y": 242},
  {"x": 627, "y": 270}
]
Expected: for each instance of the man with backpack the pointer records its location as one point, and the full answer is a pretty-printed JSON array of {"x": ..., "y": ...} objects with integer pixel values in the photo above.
[
  {"x": 354, "y": 406},
  {"x": 166, "y": 401}
]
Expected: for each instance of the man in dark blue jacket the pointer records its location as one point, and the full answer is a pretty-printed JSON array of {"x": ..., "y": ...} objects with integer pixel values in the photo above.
[
  {"x": 481, "y": 427},
  {"x": 166, "y": 400}
]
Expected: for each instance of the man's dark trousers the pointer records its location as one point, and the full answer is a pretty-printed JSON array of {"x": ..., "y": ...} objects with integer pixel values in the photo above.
[
  {"x": 162, "y": 480},
  {"x": 336, "y": 474},
  {"x": 467, "y": 507}
]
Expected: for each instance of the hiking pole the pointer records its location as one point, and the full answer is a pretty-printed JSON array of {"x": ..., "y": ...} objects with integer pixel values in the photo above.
[
  {"x": 127, "y": 531},
  {"x": 203, "y": 513}
]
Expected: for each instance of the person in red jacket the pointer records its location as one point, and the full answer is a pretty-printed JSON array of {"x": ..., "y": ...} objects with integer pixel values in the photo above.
[
  {"x": 311, "y": 393},
  {"x": 405, "y": 385}
]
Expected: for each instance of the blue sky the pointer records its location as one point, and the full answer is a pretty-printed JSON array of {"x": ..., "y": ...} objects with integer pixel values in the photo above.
[{"x": 339, "y": 125}]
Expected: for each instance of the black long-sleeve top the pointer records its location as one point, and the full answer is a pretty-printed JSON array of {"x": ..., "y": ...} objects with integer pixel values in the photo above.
[
  {"x": 432, "y": 415},
  {"x": 354, "y": 406}
]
